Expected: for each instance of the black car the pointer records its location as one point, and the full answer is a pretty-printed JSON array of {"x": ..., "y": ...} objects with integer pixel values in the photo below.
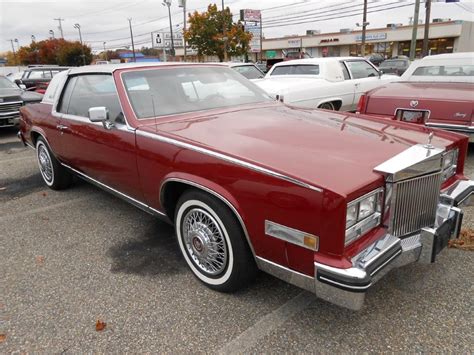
[
  {"x": 40, "y": 76},
  {"x": 376, "y": 58},
  {"x": 11, "y": 99},
  {"x": 394, "y": 66}
]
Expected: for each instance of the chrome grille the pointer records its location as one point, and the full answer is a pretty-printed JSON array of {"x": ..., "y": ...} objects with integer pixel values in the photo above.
[
  {"x": 10, "y": 106},
  {"x": 414, "y": 204}
]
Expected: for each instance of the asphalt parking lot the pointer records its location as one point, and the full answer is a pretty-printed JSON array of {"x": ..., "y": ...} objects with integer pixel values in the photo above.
[{"x": 70, "y": 258}]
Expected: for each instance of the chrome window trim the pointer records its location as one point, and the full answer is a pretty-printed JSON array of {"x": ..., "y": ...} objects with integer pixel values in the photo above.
[
  {"x": 219, "y": 196},
  {"x": 227, "y": 158},
  {"x": 119, "y": 194}
]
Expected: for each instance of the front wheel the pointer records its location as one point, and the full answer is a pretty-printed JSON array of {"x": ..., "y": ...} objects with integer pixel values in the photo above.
[
  {"x": 212, "y": 242},
  {"x": 54, "y": 175}
]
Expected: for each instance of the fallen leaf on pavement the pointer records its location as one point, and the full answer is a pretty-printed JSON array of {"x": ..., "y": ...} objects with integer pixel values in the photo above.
[
  {"x": 40, "y": 259},
  {"x": 44, "y": 194},
  {"x": 100, "y": 325},
  {"x": 3, "y": 337},
  {"x": 465, "y": 240}
]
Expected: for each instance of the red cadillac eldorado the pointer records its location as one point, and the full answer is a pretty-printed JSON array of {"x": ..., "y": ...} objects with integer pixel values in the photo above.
[
  {"x": 437, "y": 91},
  {"x": 327, "y": 201}
]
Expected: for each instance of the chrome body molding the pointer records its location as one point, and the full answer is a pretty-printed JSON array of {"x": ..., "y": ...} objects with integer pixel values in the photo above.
[
  {"x": 219, "y": 196},
  {"x": 227, "y": 158},
  {"x": 131, "y": 200},
  {"x": 283, "y": 273},
  {"x": 291, "y": 235}
]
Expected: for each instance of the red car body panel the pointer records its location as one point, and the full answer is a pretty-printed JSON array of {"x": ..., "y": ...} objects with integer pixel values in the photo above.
[
  {"x": 334, "y": 152},
  {"x": 448, "y": 103}
]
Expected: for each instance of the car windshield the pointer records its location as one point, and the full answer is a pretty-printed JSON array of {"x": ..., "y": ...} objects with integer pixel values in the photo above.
[
  {"x": 7, "y": 84},
  {"x": 168, "y": 91},
  {"x": 298, "y": 69},
  {"x": 249, "y": 71}
]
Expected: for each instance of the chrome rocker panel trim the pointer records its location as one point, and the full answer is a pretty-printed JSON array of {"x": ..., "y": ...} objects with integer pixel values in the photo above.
[{"x": 347, "y": 287}]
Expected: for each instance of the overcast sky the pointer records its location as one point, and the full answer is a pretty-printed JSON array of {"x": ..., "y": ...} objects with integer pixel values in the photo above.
[{"x": 106, "y": 20}]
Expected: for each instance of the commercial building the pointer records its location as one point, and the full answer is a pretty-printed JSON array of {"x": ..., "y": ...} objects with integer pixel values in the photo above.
[{"x": 393, "y": 40}]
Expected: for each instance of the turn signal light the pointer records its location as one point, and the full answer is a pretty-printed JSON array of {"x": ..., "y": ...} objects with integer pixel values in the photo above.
[{"x": 362, "y": 103}]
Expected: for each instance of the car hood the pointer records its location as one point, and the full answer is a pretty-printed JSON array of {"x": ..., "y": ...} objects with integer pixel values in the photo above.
[
  {"x": 10, "y": 94},
  {"x": 436, "y": 91},
  {"x": 31, "y": 96},
  {"x": 330, "y": 150}
]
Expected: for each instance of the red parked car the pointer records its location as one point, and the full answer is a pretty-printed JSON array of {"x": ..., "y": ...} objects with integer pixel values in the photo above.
[
  {"x": 437, "y": 91},
  {"x": 327, "y": 201}
]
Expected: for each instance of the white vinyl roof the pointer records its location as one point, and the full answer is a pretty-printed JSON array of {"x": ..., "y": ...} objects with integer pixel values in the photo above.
[{"x": 110, "y": 68}]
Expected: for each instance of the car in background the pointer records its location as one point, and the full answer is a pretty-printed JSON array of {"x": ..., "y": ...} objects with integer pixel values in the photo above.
[
  {"x": 327, "y": 201},
  {"x": 396, "y": 66},
  {"x": 249, "y": 70},
  {"x": 332, "y": 83},
  {"x": 13, "y": 77},
  {"x": 437, "y": 91},
  {"x": 38, "y": 77},
  {"x": 376, "y": 58},
  {"x": 11, "y": 99}
]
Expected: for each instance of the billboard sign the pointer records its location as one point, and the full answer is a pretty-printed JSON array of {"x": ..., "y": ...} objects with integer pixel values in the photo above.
[
  {"x": 249, "y": 15},
  {"x": 163, "y": 39},
  {"x": 256, "y": 37},
  {"x": 372, "y": 37},
  {"x": 294, "y": 43}
]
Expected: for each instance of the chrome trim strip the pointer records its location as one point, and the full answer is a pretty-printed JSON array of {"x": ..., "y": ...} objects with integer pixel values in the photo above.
[
  {"x": 227, "y": 158},
  {"x": 9, "y": 113},
  {"x": 468, "y": 129},
  {"x": 365, "y": 287},
  {"x": 131, "y": 200},
  {"x": 386, "y": 262},
  {"x": 10, "y": 103},
  {"x": 283, "y": 273},
  {"x": 212, "y": 192},
  {"x": 290, "y": 235}
]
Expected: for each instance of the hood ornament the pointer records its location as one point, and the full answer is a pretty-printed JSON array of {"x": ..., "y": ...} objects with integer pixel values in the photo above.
[
  {"x": 430, "y": 146},
  {"x": 413, "y": 103}
]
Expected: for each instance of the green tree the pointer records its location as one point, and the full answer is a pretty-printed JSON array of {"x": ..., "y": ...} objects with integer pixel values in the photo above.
[{"x": 213, "y": 33}]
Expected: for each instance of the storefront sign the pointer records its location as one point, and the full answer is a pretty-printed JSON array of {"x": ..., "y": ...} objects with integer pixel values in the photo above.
[
  {"x": 254, "y": 29},
  {"x": 329, "y": 40},
  {"x": 294, "y": 43},
  {"x": 270, "y": 54},
  {"x": 250, "y": 15},
  {"x": 372, "y": 37}
]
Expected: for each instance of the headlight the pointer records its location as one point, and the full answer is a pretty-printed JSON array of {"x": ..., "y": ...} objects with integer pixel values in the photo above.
[
  {"x": 363, "y": 214},
  {"x": 450, "y": 161}
]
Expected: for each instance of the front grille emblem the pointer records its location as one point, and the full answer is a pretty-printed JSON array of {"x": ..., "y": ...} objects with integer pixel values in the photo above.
[{"x": 413, "y": 103}]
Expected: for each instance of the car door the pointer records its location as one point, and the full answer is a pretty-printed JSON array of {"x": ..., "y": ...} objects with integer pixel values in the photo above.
[
  {"x": 364, "y": 76},
  {"x": 347, "y": 89},
  {"x": 106, "y": 154}
]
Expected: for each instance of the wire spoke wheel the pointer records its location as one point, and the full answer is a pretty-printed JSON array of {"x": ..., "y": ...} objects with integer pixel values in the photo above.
[
  {"x": 204, "y": 241},
  {"x": 45, "y": 164}
]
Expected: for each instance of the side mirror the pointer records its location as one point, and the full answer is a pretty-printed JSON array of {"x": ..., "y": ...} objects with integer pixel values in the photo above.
[
  {"x": 22, "y": 86},
  {"x": 100, "y": 114},
  {"x": 380, "y": 73}
]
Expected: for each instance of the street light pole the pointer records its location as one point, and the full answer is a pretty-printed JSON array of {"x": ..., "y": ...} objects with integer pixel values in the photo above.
[
  {"x": 17, "y": 43},
  {"x": 60, "y": 27},
  {"x": 105, "y": 51},
  {"x": 426, "y": 38},
  {"x": 78, "y": 26},
  {"x": 168, "y": 3},
  {"x": 415, "y": 30},
  {"x": 131, "y": 36},
  {"x": 51, "y": 32},
  {"x": 364, "y": 26},
  {"x": 182, "y": 3},
  {"x": 13, "y": 49}
]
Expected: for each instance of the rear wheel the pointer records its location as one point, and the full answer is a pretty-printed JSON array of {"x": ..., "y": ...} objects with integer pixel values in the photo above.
[
  {"x": 54, "y": 175},
  {"x": 212, "y": 242},
  {"x": 327, "y": 106}
]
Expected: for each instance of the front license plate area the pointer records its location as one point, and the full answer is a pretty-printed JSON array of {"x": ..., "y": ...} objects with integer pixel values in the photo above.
[
  {"x": 413, "y": 116},
  {"x": 444, "y": 234}
]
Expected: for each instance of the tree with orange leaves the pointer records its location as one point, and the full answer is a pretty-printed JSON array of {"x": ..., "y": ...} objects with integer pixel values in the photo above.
[
  {"x": 213, "y": 33},
  {"x": 54, "y": 51}
]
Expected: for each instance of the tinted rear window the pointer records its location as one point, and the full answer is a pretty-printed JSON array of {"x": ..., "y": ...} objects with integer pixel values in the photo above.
[
  {"x": 445, "y": 70},
  {"x": 299, "y": 69}
]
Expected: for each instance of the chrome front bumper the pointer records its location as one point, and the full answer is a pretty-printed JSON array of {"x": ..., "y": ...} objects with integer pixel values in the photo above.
[{"x": 347, "y": 287}]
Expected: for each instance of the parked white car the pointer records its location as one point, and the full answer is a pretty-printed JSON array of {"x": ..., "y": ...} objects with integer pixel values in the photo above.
[
  {"x": 334, "y": 83},
  {"x": 249, "y": 70}
]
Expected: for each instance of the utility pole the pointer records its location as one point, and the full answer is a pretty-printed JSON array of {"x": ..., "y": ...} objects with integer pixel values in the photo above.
[
  {"x": 131, "y": 36},
  {"x": 60, "y": 27},
  {"x": 415, "y": 30},
  {"x": 78, "y": 26},
  {"x": 168, "y": 4},
  {"x": 105, "y": 52},
  {"x": 364, "y": 26},
  {"x": 13, "y": 48},
  {"x": 427, "y": 28},
  {"x": 224, "y": 38},
  {"x": 182, "y": 3}
]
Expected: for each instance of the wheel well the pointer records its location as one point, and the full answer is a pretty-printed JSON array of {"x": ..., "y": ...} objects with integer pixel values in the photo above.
[
  {"x": 337, "y": 104},
  {"x": 171, "y": 193},
  {"x": 34, "y": 137}
]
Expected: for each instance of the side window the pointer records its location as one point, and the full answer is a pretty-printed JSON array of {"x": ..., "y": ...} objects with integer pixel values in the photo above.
[
  {"x": 36, "y": 74},
  {"x": 361, "y": 69},
  {"x": 93, "y": 90},
  {"x": 66, "y": 95},
  {"x": 345, "y": 71}
]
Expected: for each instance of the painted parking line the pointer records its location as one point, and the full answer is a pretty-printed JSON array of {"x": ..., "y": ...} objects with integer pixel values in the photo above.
[
  {"x": 249, "y": 338},
  {"x": 45, "y": 208}
]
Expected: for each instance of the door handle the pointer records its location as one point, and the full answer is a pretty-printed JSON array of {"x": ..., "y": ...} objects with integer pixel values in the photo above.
[{"x": 62, "y": 127}]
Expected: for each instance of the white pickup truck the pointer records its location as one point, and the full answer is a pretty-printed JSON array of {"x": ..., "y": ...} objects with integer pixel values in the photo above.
[{"x": 334, "y": 83}]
